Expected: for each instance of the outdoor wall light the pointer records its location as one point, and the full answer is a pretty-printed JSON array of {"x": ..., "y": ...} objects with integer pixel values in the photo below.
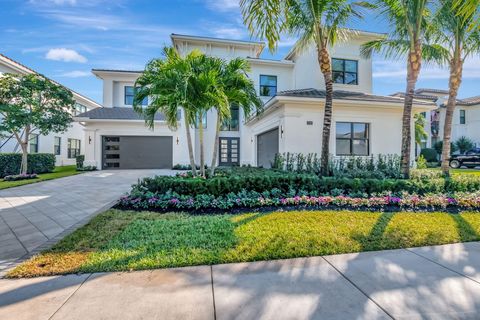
[
  {"x": 178, "y": 141},
  {"x": 89, "y": 140},
  {"x": 281, "y": 131}
]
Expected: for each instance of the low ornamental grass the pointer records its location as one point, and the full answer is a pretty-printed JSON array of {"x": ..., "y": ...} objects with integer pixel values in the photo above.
[{"x": 129, "y": 240}]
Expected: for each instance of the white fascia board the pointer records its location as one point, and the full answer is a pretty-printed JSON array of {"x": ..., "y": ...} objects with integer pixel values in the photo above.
[{"x": 277, "y": 63}]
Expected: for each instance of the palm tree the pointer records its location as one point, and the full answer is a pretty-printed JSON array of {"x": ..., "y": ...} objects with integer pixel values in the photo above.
[
  {"x": 410, "y": 21},
  {"x": 168, "y": 84},
  {"x": 315, "y": 22},
  {"x": 240, "y": 91},
  {"x": 420, "y": 133},
  {"x": 459, "y": 31}
]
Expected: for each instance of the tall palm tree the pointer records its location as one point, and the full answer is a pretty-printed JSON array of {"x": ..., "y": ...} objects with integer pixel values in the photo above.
[
  {"x": 410, "y": 22},
  {"x": 240, "y": 91},
  {"x": 209, "y": 92},
  {"x": 459, "y": 32},
  {"x": 168, "y": 84},
  {"x": 316, "y": 22}
]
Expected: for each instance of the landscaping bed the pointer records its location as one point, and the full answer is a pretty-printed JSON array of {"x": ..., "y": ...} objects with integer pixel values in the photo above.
[
  {"x": 125, "y": 240},
  {"x": 58, "y": 172}
]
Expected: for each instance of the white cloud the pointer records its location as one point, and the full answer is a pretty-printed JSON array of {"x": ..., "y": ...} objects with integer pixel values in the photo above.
[
  {"x": 229, "y": 32},
  {"x": 223, "y": 5},
  {"x": 67, "y": 55},
  {"x": 76, "y": 74},
  {"x": 396, "y": 71}
]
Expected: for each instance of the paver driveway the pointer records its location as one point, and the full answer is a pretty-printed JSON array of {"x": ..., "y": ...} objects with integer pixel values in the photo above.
[{"x": 36, "y": 215}]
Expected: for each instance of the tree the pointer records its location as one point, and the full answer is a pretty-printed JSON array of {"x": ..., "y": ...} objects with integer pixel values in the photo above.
[
  {"x": 315, "y": 22},
  {"x": 459, "y": 32},
  {"x": 167, "y": 83},
  {"x": 420, "y": 133},
  {"x": 410, "y": 21},
  {"x": 240, "y": 91},
  {"x": 33, "y": 104},
  {"x": 464, "y": 144}
]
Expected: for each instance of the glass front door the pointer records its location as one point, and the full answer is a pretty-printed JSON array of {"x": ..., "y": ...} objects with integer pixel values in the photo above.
[{"x": 229, "y": 151}]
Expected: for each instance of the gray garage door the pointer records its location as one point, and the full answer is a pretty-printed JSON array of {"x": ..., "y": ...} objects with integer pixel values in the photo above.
[
  {"x": 267, "y": 147},
  {"x": 132, "y": 152}
]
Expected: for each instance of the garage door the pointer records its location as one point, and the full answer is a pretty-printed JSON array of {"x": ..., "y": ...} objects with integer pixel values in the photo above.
[
  {"x": 267, "y": 147},
  {"x": 134, "y": 152}
]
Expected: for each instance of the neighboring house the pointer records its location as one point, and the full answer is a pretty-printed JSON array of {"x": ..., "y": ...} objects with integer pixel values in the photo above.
[
  {"x": 363, "y": 123},
  {"x": 66, "y": 146},
  {"x": 466, "y": 117}
]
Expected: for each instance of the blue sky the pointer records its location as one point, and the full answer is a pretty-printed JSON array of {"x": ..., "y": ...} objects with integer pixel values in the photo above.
[{"x": 65, "y": 39}]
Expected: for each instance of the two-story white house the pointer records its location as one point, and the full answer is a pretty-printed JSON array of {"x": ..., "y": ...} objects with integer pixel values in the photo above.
[
  {"x": 65, "y": 146},
  {"x": 292, "y": 89},
  {"x": 466, "y": 116}
]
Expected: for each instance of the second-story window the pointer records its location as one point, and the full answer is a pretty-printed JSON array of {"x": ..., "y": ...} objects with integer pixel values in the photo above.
[
  {"x": 268, "y": 85},
  {"x": 130, "y": 94},
  {"x": 79, "y": 108},
  {"x": 233, "y": 123},
  {"x": 463, "y": 118},
  {"x": 345, "y": 71}
]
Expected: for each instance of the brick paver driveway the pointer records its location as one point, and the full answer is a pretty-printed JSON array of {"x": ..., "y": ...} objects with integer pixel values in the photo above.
[{"x": 37, "y": 215}]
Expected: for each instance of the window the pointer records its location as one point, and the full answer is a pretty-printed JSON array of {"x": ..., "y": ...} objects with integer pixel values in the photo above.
[
  {"x": 352, "y": 139},
  {"x": 268, "y": 86},
  {"x": 56, "y": 145},
  {"x": 79, "y": 108},
  {"x": 462, "y": 117},
  {"x": 130, "y": 94},
  {"x": 204, "y": 121},
  {"x": 73, "y": 148},
  {"x": 345, "y": 71},
  {"x": 233, "y": 123},
  {"x": 33, "y": 140}
]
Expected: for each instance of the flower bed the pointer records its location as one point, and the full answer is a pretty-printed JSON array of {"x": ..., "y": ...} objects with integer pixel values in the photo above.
[
  {"x": 18, "y": 177},
  {"x": 248, "y": 200}
]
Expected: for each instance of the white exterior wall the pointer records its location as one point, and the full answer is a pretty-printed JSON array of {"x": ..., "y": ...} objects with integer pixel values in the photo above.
[
  {"x": 385, "y": 124},
  {"x": 307, "y": 74},
  {"x": 471, "y": 128}
]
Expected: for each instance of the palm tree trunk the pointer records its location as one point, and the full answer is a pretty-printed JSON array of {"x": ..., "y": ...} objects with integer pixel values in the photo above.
[
  {"x": 202, "y": 151},
  {"x": 456, "y": 66},
  {"x": 413, "y": 69},
  {"x": 325, "y": 67},
  {"x": 215, "y": 146},
  {"x": 189, "y": 143}
]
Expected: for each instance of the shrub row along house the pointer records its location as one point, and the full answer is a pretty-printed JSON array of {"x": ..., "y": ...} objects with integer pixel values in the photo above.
[
  {"x": 291, "y": 121},
  {"x": 466, "y": 117},
  {"x": 65, "y": 146}
]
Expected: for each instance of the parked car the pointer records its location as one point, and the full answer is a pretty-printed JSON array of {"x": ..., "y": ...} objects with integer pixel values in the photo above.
[{"x": 470, "y": 159}]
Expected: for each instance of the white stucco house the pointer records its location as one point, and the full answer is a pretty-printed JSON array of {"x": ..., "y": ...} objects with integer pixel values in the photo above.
[
  {"x": 466, "y": 117},
  {"x": 65, "y": 146},
  {"x": 363, "y": 123}
]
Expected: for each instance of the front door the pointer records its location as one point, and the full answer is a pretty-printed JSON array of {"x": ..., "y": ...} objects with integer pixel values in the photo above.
[{"x": 229, "y": 151}]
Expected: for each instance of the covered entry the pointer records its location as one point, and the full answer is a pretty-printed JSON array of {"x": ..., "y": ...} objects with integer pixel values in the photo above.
[
  {"x": 137, "y": 152},
  {"x": 267, "y": 147}
]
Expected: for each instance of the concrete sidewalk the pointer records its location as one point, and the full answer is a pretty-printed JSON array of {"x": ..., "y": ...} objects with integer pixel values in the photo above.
[{"x": 441, "y": 282}]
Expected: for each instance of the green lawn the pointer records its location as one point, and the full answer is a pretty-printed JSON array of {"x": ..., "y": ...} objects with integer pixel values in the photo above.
[
  {"x": 124, "y": 240},
  {"x": 59, "y": 172}
]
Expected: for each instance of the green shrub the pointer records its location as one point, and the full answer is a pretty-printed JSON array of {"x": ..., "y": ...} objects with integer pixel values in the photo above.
[
  {"x": 421, "y": 162},
  {"x": 464, "y": 144},
  {"x": 429, "y": 154},
  {"x": 422, "y": 182},
  {"x": 80, "y": 160},
  {"x": 37, "y": 163}
]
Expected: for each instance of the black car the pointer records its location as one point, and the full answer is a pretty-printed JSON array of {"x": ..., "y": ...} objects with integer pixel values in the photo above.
[{"x": 470, "y": 159}]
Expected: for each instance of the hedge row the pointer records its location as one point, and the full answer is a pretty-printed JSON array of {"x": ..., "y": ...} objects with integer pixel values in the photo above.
[
  {"x": 223, "y": 185},
  {"x": 37, "y": 163}
]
